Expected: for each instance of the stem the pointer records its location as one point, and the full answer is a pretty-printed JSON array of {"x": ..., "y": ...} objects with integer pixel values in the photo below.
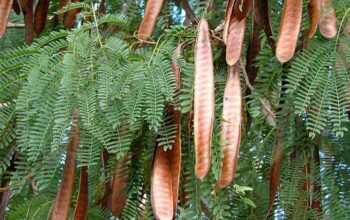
[{"x": 96, "y": 24}]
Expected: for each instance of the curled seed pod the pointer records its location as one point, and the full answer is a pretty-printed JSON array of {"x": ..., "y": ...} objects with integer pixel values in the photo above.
[
  {"x": 328, "y": 19},
  {"x": 235, "y": 41},
  {"x": 314, "y": 15},
  {"x": 81, "y": 209},
  {"x": 63, "y": 199},
  {"x": 228, "y": 15},
  {"x": 70, "y": 17},
  {"x": 275, "y": 169},
  {"x": 119, "y": 185},
  {"x": 204, "y": 103},
  {"x": 40, "y": 17},
  {"x": 16, "y": 8},
  {"x": 231, "y": 126},
  {"x": 5, "y": 9},
  {"x": 203, "y": 100},
  {"x": 161, "y": 186},
  {"x": 153, "y": 8},
  {"x": 289, "y": 30},
  {"x": 242, "y": 8},
  {"x": 264, "y": 14}
]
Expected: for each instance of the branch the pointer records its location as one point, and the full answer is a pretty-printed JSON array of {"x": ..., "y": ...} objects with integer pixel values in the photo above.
[
  {"x": 188, "y": 10},
  {"x": 14, "y": 25},
  {"x": 266, "y": 105}
]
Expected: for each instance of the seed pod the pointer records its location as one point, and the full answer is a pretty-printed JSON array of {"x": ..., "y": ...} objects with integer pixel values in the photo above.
[
  {"x": 264, "y": 14},
  {"x": 119, "y": 184},
  {"x": 153, "y": 8},
  {"x": 203, "y": 99},
  {"x": 40, "y": 17},
  {"x": 253, "y": 51},
  {"x": 314, "y": 15},
  {"x": 102, "y": 8},
  {"x": 63, "y": 199},
  {"x": 328, "y": 19},
  {"x": 61, "y": 4},
  {"x": 5, "y": 9},
  {"x": 235, "y": 41},
  {"x": 81, "y": 209},
  {"x": 16, "y": 8},
  {"x": 275, "y": 169},
  {"x": 231, "y": 126},
  {"x": 289, "y": 30},
  {"x": 70, "y": 17},
  {"x": 228, "y": 15},
  {"x": 242, "y": 8}
]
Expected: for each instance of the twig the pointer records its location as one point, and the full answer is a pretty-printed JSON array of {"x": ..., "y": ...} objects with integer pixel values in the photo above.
[
  {"x": 265, "y": 105},
  {"x": 188, "y": 10},
  {"x": 14, "y": 25},
  {"x": 96, "y": 24},
  {"x": 4, "y": 189}
]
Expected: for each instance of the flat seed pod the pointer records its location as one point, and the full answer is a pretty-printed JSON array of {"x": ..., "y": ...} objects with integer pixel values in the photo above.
[
  {"x": 314, "y": 15},
  {"x": 203, "y": 99},
  {"x": 16, "y": 8},
  {"x": 5, "y": 9},
  {"x": 60, "y": 209},
  {"x": 264, "y": 14},
  {"x": 70, "y": 17},
  {"x": 61, "y": 4},
  {"x": 161, "y": 186},
  {"x": 81, "y": 209},
  {"x": 27, "y": 9},
  {"x": 40, "y": 17},
  {"x": 242, "y": 8},
  {"x": 275, "y": 169},
  {"x": 328, "y": 19},
  {"x": 228, "y": 15},
  {"x": 153, "y": 8},
  {"x": 235, "y": 41},
  {"x": 231, "y": 126},
  {"x": 289, "y": 30},
  {"x": 253, "y": 51},
  {"x": 119, "y": 184}
]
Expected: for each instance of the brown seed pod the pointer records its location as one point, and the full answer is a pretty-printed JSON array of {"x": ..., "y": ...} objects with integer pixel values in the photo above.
[
  {"x": 153, "y": 8},
  {"x": 231, "y": 126},
  {"x": 314, "y": 15},
  {"x": 228, "y": 15},
  {"x": 81, "y": 209},
  {"x": 203, "y": 99},
  {"x": 70, "y": 17},
  {"x": 328, "y": 19},
  {"x": 242, "y": 8},
  {"x": 235, "y": 41},
  {"x": 40, "y": 17},
  {"x": 60, "y": 209},
  {"x": 16, "y": 8},
  {"x": 289, "y": 30},
  {"x": 5, "y": 9},
  {"x": 264, "y": 14},
  {"x": 119, "y": 185},
  {"x": 61, "y": 4},
  {"x": 275, "y": 169}
]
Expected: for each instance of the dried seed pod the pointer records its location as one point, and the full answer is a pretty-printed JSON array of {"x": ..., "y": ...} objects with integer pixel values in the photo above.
[
  {"x": 231, "y": 126},
  {"x": 63, "y": 199},
  {"x": 314, "y": 15},
  {"x": 328, "y": 19},
  {"x": 242, "y": 8},
  {"x": 203, "y": 99},
  {"x": 16, "y": 8},
  {"x": 119, "y": 185},
  {"x": 40, "y": 17},
  {"x": 275, "y": 168},
  {"x": 70, "y": 17},
  {"x": 102, "y": 8},
  {"x": 289, "y": 30},
  {"x": 235, "y": 41},
  {"x": 61, "y": 4},
  {"x": 228, "y": 15},
  {"x": 5, "y": 9},
  {"x": 264, "y": 14},
  {"x": 81, "y": 209},
  {"x": 153, "y": 8},
  {"x": 253, "y": 51}
]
